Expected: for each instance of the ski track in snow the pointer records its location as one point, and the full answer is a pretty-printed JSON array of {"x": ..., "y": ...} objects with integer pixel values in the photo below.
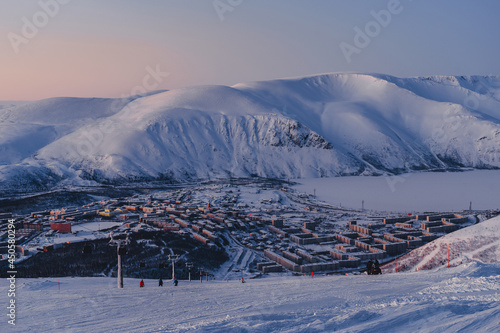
[
  {"x": 485, "y": 247},
  {"x": 431, "y": 256},
  {"x": 240, "y": 258}
]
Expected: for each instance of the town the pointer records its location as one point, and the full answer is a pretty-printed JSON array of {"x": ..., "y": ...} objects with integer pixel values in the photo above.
[{"x": 283, "y": 230}]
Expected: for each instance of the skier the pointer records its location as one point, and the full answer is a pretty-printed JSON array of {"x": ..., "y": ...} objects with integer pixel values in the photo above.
[
  {"x": 176, "y": 282},
  {"x": 242, "y": 280},
  {"x": 141, "y": 284},
  {"x": 369, "y": 266},
  {"x": 160, "y": 282}
]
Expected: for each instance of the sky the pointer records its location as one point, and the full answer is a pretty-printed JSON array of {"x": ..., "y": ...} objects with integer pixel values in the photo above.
[{"x": 114, "y": 48}]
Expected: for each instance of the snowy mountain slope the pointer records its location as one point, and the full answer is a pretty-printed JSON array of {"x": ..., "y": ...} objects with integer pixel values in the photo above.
[
  {"x": 460, "y": 299},
  {"x": 394, "y": 127},
  {"x": 317, "y": 126},
  {"x": 191, "y": 144},
  {"x": 479, "y": 242},
  {"x": 11, "y": 104},
  {"x": 27, "y": 128}
]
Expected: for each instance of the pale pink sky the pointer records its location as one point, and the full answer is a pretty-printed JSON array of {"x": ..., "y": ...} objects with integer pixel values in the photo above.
[
  {"x": 101, "y": 48},
  {"x": 96, "y": 67}
]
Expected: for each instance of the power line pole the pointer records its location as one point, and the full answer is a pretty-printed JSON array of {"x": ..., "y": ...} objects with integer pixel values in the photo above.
[
  {"x": 173, "y": 259},
  {"x": 120, "y": 249}
]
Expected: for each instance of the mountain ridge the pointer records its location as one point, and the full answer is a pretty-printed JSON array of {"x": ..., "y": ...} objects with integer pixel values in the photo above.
[{"x": 316, "y": 126}]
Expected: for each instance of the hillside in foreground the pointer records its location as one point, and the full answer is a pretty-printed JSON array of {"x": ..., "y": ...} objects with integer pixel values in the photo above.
[{"x": 464, "y": 298}]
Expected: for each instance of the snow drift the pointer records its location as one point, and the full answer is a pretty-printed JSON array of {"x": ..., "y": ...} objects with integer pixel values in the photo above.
[{"x": 317, "y": 126}]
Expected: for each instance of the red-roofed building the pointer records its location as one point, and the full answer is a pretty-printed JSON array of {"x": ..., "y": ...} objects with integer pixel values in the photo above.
[{"x": 63, "y": 228}]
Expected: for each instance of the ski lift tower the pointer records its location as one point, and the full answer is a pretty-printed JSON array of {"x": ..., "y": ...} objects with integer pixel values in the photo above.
[
  {"x": 173, "y": 259},
  {"x": 121, "y": 248},
  {"x": 189, "y": 266}
]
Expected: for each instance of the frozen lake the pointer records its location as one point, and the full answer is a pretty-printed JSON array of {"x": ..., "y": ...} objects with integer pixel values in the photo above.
[{"x": 415, "y": 192}]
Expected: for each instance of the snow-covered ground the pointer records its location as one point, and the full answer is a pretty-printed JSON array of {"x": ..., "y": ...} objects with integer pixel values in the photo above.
[
  {"x": 479, "y": 242},
  {"x": 414, "y": 192},
  {"x": 95, "y": 226},
  {"x": 465, "y": 299},
  {"x": 251, "y": 197},
  {"x": 80, "y": 233}
]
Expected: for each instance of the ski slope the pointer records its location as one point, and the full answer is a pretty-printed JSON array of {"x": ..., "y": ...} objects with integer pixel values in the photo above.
[{"x": 464, "y": 299}]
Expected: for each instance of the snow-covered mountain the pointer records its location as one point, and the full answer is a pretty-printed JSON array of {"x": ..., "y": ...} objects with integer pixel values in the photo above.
[{"x": 317, "y": 126}]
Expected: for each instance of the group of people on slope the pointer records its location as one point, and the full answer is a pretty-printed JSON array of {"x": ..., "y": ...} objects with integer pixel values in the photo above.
[
  {"x": 373, "y": 267},
  {"x": 160, "y": 282}
]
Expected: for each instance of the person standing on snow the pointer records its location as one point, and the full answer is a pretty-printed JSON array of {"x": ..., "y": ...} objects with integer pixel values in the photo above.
[
  {"x": 141, "y": 284},
  {"x": 376, "y": 267},
  {"x": 160, "y": 282},
  {"x": 369, "y": 266}
]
